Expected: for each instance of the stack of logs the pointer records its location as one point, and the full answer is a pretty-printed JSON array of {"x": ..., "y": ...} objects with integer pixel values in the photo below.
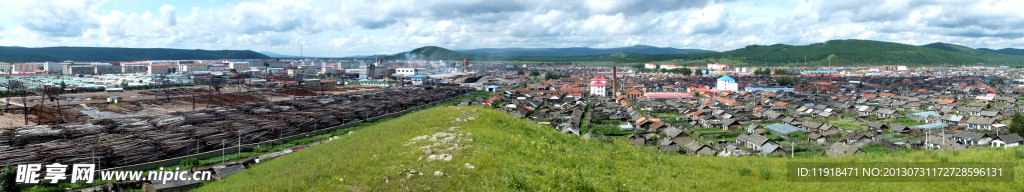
[{"x": 125, "y": 141}]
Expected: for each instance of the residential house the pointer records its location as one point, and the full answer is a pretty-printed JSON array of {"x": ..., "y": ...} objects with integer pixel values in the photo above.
[
  {"x": 754, "y": 128},
  {"x": 815, "y": 137},
  {"x": 641, "y": 140},
  {"x": 667, "y": 145},
  {"x": 754, "y": 142},
  {"x": 856, "y": 137},
  {"x": 841, "y": 149},
  {"x": 697, "y": 148},
  {"x": 731, "y": 125},
  {"x": 981, "y": 123},
  {"x": 952, "y": 119},
  {"x": 971, "y": 138},
  {"x": 1008, "y": 140},
  {"x": 633, "y": 93},
  {"x": 885, "y": 113},
  {"x": 772, "y": 149},
  {"x": 878, "y": 126},
  {"x": 901, "y": 129}
]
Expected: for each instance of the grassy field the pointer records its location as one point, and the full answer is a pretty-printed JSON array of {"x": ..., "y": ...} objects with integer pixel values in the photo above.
[{"x": 497, "y": 152}]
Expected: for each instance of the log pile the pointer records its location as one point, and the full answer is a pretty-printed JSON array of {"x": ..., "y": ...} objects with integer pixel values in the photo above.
[
  {"x": 172, "y": 92},
  {"x": 227, "y": 99},
  {"x": 125, "y": 141},
  {"x": 49, "y": 115}
]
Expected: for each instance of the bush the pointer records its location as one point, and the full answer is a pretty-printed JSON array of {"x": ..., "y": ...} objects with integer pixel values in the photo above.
[
  {"x": 7, "y": 176},
  {"x": 797, "y": 135},
  {"x": 745, "y": 171},
  {"x": 766, "y": 174},
  {"x": 189, "y": 162}
]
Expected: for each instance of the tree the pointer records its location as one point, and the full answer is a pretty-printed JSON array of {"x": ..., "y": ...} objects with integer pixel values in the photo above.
[
  {"x": 686, "y": 71},
  {"x": 172, "y": 70},
  {"x": 534, "y": 73},
  {"x": 65, "y": 85},
  {"x": 781, "y": 72},
  {"x": 7, "y": 179},
  {"x": 266, "y": 66},
  {"x": 784, "y": 81},
  {"x": 698, "y": 72},
  {"x": 520, "y": 72},
  {"x": 1017, "y": 124}
]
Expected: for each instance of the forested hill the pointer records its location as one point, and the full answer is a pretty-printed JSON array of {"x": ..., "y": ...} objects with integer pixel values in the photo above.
[
  {"x": 841, "y": 53},
  {"x": 24, "y": 54},
  {"x": 579, "y": 51}
]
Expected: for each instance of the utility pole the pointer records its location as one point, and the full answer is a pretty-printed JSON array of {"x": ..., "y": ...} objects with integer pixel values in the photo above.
[
  {"x": 222, "y": 151},
  {"x": 239, "y": 142}
]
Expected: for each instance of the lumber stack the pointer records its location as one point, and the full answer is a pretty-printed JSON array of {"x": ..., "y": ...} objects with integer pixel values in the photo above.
[{"x": 132, "y": 140}]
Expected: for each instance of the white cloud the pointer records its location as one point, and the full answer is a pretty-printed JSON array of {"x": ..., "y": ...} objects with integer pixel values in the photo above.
[
  {"x": 332, "y": 28},
  {"x": 167, "y": 11}
]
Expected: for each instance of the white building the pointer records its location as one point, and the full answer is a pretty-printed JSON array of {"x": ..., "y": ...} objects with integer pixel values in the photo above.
[
  {"x": 51, "y": 67},
  {"x": 239, "y": 65},
  {"x": 409, "y": 71},
  {"x": 717, "y": 67},
  {"x": 668, "y": 66},
  {"x": 189, "y": 67},
  {"x": 597, "y": 86},
  {"x": 727, "y": 83},
  {"x": 650, "y": 66}
]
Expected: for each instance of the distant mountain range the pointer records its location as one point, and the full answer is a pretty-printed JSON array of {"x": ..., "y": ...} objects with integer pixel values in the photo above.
[
  {"x": 836, "y": 52},
  {"x": 579, "y": 51},
  {"x": 25, "y": 54}
]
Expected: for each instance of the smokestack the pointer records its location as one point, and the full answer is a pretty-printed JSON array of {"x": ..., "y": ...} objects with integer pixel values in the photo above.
[
  {"x": 465, "y": 65},
  {"x": 615, "y": 82}
]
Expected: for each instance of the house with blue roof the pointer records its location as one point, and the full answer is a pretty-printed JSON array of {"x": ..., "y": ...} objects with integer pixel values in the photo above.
[{"x": 727, "y": 83}]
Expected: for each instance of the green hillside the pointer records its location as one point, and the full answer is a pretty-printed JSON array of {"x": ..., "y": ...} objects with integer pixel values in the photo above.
[
  {"x": 1007, "y": 51},
  {"x": 579, "y": 51},
  {"x": 492, "y": 151},
  {"x": 863, "y": 52},
  {"x": 23, "y": 54}
]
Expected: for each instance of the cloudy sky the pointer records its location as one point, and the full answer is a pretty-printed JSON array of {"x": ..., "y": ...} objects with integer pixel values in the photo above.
[{"x": 365, "y": 27}]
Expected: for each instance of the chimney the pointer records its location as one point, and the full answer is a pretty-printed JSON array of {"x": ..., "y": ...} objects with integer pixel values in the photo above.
[
  {"x": 465, "y": 65},
  {"x": 615, "y": 82}
]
